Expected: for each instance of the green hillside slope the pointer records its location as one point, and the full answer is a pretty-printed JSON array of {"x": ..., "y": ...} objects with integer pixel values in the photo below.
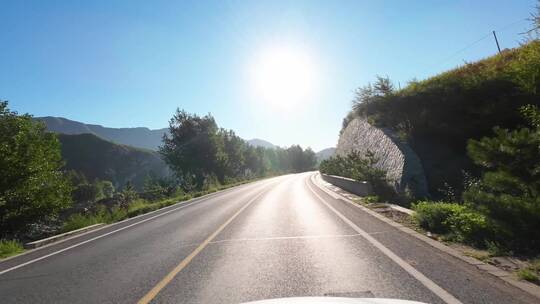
[
  {"x": 98, "y": 158},
  {"x": 135, "y": 137},
  {"x": 438, "y": 115}
]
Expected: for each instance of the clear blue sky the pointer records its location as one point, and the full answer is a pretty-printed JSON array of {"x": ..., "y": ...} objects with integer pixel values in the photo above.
[{"x": 132, "y": 63}]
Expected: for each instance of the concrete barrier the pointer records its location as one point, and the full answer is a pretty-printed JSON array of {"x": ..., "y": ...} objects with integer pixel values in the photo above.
[
  {"x": 348, "y": 184},
  {"x": 56, "y": 238}
]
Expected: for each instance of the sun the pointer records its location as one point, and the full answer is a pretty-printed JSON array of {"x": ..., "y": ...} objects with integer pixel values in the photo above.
[{"x": 283, "y": 77}]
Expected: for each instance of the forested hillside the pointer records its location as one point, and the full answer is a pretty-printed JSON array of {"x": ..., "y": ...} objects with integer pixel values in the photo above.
[
  {"x": 136, "y": 137},
  {"x": 437, "y": 116},
  {"x": 100, "y": 159}
]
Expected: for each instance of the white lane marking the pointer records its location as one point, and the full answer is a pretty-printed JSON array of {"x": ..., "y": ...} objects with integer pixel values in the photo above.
[
  {"x": 285, "y": 238},
  {"x": 98, "y": 237},
  {"x": 429, "y": 284},
  {"x": 181, "y": 204}
]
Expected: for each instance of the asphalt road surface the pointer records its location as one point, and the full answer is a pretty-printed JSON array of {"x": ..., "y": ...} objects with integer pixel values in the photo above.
[{"x": 279, "y": 237}]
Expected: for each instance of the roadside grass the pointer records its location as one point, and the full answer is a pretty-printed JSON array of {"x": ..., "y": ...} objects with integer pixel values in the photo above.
[
  {"x": 9, "y": 248},
  {"x": 78, "y": 221},
  {"x": 137, "y": 207},
  {"x": 480, "y": 255},
  {"x": 528, "y": 275}
]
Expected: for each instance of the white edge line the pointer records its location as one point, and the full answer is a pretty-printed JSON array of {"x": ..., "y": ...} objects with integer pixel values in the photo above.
[
  {"x": 530, "y": 288},
  {"x": 428, "y": 283},
  {"x": 93, "y": 239},
  {"x": 183, "y": 205},
  {"x": 78, "y": 235}
]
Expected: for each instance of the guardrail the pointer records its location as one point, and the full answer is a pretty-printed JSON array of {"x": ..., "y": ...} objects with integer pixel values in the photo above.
[
  {"x": 348, "y": 184},
  {"x": 55, "y": 238}
]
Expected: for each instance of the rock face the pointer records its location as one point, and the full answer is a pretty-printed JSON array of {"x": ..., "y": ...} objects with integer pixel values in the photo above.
[{"x": 403, "y": 167}]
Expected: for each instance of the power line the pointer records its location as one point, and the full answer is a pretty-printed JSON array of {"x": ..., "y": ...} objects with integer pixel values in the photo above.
[{"x": 501, "y": 29}]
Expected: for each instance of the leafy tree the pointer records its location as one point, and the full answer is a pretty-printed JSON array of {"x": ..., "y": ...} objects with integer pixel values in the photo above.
[
  {"x": 300, "y": 160},
  {"x": 254, "y": 161},
  {"x": 86, "y": 193},
  {"x": 32, "y": 187},
  {"x": 233, "y": 158},
  {"x": 107, "y": 188},
  {"x": 202, "y": 156},
  {"x": 309, "y": 161},
  {"x": 191, "y": 148},
  {"x": 509, "y": 191}
]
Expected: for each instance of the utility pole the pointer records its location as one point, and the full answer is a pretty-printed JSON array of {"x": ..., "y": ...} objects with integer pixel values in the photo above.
[{"x": 497, "y": 41}]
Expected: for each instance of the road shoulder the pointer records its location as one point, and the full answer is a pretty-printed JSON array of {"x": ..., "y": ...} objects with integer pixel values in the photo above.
[{"x": 492, "y": 271}]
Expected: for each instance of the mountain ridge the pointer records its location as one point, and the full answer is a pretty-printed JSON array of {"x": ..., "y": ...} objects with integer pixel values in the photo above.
[
  {"x": 325, "y": 153},
  {"x": 139, "y": 137},
  {"x": 257, "y": 142}
]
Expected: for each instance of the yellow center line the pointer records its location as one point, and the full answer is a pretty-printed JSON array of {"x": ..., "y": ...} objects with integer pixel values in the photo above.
[{"x": 170, "y": 276}]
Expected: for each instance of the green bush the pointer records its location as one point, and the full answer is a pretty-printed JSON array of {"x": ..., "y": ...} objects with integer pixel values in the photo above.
[
  {"x": 9, "y": 248},
  {"x": 458, "y": 222},
  {"x": 469, "y": 226},
  {"x": 433, "y": 216},
  {"x": 78, "y": 221},
  {"x": 361, "y": 168},
  {"x": 107, "y": 188}
]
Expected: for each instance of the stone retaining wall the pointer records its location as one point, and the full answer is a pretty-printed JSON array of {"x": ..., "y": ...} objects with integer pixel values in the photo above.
[{"x": 403, "y": 167}]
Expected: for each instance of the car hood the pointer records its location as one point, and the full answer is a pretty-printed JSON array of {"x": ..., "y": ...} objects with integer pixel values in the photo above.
[{"x": 333, "y": 300}]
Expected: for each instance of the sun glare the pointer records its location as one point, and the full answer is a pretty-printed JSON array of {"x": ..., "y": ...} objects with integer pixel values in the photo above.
[{"x": 283, "y": 77}]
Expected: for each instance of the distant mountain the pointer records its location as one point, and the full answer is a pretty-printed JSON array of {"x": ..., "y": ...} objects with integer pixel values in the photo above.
[
  {"x": 325, "y": 154},
  {"x": 136, "y": 137},
  {"x": 256, "y": 142},
  {"x": 98, "y": 158}
]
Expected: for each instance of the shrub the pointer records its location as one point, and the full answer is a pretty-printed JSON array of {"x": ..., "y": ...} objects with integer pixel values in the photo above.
[
  {"x": 433, "y": 216},
  {"x": 469, "y": 226},
  {"x": 107, "y": 188},
  {"x": 360, "y": 168},
  {"x": 78, "y": 221},
  {"x": 371, "y": 199},
  {"x": 458, "y": 222}
]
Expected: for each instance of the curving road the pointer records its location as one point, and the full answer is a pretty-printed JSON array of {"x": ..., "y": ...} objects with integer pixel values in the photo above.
[{"x": 279, "y": 237}]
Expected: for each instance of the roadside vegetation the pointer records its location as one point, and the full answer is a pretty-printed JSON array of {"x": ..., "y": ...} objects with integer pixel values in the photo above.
[
  {"x": 476, "y": 130},
  {"x": 438, "y": 116},
  {"x": 502, "y": 207},
  {"x": 361, "y": 168},
  {"x": 41, "y": 196},
  {"x": 9, "y": 248}
]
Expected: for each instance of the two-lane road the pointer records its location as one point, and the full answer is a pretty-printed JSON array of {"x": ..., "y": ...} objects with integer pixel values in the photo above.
[{"x": 280, "y": 237}]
